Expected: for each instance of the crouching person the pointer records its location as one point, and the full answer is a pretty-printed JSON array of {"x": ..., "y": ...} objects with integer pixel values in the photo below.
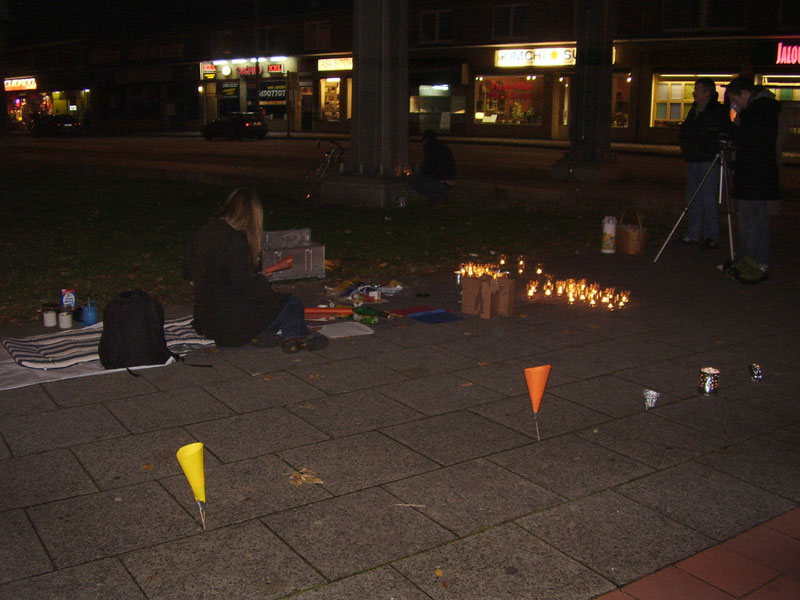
[{"x": 234, "y": 303}]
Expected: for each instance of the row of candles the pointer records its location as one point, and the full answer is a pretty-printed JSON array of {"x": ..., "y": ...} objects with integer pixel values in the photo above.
[
  {"x": 580, "y": 291},
  {"x": 572, "y": 290}
]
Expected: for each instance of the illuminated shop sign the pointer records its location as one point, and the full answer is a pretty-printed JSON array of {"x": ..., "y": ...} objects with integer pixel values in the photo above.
[
  {"x": 273, "y": 92},
  {"x": 208, "y": 70},
  {"x": 274, "y": 68},
  {"x": 535, "y": 57},
  {"x": 335, "y": 64},
  {"x": 787, "y": 54},
  {"x": 21, "y": 83}
]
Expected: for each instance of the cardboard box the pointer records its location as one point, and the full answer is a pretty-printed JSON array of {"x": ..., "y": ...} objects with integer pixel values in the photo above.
[
  {"x": 308, "y": 257},
  {"x": 487, "y": 297}
]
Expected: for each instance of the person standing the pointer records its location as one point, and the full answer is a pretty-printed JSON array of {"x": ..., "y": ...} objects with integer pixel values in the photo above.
[
  {"x": 438, "y": 172},
  {"x": 755, "y": 174},
  {"x": 700, "y": 142}
]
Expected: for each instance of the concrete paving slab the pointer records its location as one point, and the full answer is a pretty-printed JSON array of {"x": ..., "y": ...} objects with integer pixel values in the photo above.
[
  {"x": 456, "y": 437},
  {"x": 439, "y": 393},
  {"x": 167, "y": 409},
  {"x": 135, "y": 458},
  {"x": 244, "y": 490},
  {"x": 503, "y": 563},
  {"x": 347, "y": 375},
  {"x": 667, "y": 377},
  {"x": 351, "y": 533},
  {"x": 472, "y": 496},
  {"x": 357, "y": 462},
  {"x": 243, "y": 561},
  {"x": 383, "y": 581},
  {"x": 423, "y": 361},
  {"x": 775, "y": 395},
  {"x": 257, "y": 361},
  {"x": 254, "y": 434},
  {"x": 703, "y": 335},
  {"x": 764, "y": 461},
  {"x": 563, "y": 333},
  {"x": 4, "y": 451},
  {"x": 90, "y": 581},
  {"x": 607, "y": 394},
  {"x": 614, "y": 536},
  {"x": 59, "y": 429},
  {"x": 21, "y": 552},
  {"x": 556, "y": 415},
  {"x": 356, "y": 412},
  {"x": 571, "y": 466},
  {"x": 652, "y": 440},
  {"x": 355, "y": 347},
  {"x": 788, "y": 435},
  {"x": 728, "y": 419},
  {"x": 86, "y": 390},
  {"x": 409, "y": 333},
  {"x": 248, "y": 394},
  {"x": 181, "y": 375},
  {"x": 508, "y": 377},
  {"x": 491, "y": 348},
  {"x": 39, "y": 478},
  {"x": 107, "y": 523},
  {"x": 26, "y": 400},
  {"x": 716, "y": 504}
]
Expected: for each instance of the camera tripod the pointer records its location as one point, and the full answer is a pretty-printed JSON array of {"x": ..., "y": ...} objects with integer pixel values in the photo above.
[{"x": 721, "y": 162}]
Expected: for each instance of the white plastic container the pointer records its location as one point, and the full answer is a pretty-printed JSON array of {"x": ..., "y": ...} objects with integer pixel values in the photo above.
[{"x": 609, "y": 244}]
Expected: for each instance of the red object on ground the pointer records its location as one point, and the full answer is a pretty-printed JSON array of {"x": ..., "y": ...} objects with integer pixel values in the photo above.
[{"x": 281, "y": 265}]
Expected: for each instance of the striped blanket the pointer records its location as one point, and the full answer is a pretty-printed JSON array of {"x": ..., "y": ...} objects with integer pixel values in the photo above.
[{"x": 76, "y": 346}]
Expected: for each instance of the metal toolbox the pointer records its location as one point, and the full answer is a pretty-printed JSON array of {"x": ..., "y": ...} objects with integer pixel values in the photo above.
[{"x": 308, "y": 258}]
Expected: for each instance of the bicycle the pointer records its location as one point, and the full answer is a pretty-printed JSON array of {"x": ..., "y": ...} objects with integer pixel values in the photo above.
[{"x": 313, "y": 179}]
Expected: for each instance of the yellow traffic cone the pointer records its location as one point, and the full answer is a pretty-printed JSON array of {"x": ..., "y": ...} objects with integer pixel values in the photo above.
[
  {"x": 190, "y": 458},
  {"x": 536, "y": 378}
]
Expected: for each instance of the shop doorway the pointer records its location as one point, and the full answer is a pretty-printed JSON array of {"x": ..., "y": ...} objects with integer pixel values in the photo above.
[{"x": 561, "y": 107}]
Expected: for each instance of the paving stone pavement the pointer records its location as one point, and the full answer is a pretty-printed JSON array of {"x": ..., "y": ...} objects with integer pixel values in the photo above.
[{"x": 434, "y": 483}]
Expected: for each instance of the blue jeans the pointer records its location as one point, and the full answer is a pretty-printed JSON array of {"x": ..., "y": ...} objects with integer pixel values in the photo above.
[
  {"x": 291, "y": 321},
  {"x": 753, "y": 230},
  {"x": 704, "y": 212}
]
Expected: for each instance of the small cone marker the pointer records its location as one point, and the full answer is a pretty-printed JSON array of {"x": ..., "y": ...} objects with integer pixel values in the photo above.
[
  {"x": 190, "y": 458},
  {"x": 536, "y": 378}
]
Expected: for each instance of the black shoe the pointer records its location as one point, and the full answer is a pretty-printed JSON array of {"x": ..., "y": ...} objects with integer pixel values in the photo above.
[
  {"x": 685, "y": 240},
  {"x": 312, "y": 343},
  {"x": 266, "y": 340},
  {"x": 709, "y": 244}
]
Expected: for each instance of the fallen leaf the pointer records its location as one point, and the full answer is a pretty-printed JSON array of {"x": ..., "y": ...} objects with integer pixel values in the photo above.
[
  {"x": 268, "y": 377},
  {"x": 302, "y": 476},
  {"x": 482, "y": 363},
  {"x": 466, "y": 384},
  {"x": 148, "y": 467},
  {"x": 439, "y": 572},
  {"x": 314, "y": 376}
]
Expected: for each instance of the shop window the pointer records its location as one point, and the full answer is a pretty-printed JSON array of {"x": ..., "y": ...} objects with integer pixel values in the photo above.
[
  {"x": 330, "y": 89},
  {"x": 672, "y": 98},
  {"x": 787, "y": 91},
  {"x": 620, "y": 100},
  {"x": 318, "y": 35},
  {"x": 436, "y": 26},
  {"x": 517, "y": 100},
  {"x": 435, "y": 105},
  {"x": 510, "y": 21}
]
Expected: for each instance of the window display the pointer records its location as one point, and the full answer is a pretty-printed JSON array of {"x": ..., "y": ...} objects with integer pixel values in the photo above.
[
  {"x": 672, "y": 97},
  {"x": 513, "y": 100}
]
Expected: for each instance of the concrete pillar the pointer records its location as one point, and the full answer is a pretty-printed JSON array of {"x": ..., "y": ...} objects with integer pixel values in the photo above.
[
  {"x": 589, "y": 157},
  {"x": 379, "y": 126}
]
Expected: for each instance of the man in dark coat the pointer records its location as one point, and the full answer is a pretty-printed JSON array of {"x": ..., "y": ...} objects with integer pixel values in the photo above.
[
  {"x": 755, "y": 178},
  {"x": 438, "y": 172},
  {"x": 700, "y": 143}
]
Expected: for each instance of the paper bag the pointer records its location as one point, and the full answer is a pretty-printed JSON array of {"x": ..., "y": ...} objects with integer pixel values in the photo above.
[
  {"x": 506, "y": 292},
  {"x": 471, "y": 300}
]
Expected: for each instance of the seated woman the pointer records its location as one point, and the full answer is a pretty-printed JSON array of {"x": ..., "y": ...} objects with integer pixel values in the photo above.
[{"x": 234, "y": 303}]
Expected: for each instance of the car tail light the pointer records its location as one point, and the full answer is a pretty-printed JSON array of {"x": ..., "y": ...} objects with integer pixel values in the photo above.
[{"x": 247, "y": 124}]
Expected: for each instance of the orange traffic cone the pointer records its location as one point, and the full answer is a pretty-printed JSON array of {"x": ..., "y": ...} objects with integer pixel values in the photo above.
[{"x": 536, "y": 378}]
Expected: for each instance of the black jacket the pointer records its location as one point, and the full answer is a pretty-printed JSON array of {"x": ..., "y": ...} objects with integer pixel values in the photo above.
[
  {"x": 233, "y": 303},
  {"x": 700, "y": 132},
  {"x": 438, "y": 160},
  {"x": 755, "y": 174}
]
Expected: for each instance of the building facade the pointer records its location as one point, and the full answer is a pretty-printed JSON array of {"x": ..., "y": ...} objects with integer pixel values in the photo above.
[{"x": 478, "y": 68}]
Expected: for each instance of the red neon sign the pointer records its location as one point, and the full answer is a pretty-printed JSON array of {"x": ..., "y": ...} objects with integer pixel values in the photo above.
[{"x": 787, "y": 55}]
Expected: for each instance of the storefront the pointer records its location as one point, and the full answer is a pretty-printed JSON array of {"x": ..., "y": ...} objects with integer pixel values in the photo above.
[
  {"x": 247, "y": 85},
  {"x": 26, "y": 101},
  {"x": 334, "y": 83}
]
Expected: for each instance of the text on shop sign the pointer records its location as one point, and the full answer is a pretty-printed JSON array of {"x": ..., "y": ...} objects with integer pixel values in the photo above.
[
  {"x": 537, "y": 57},
  {"x": 22, "y": 83},
  {"x": 787, "y": 55}
]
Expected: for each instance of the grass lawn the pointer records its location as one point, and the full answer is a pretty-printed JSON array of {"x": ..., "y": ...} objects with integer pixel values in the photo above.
[{"x": 104, "y": 233}]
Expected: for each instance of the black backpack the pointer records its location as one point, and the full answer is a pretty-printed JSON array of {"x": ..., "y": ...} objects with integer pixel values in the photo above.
[{"x": 133, "y": 332}]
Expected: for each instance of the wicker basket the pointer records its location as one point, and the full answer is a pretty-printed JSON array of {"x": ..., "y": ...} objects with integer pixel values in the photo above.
[{"x": 631, "y": 238}]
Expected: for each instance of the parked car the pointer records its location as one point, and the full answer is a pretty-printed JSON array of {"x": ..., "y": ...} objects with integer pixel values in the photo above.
[
  {"x": 237, "y": 125},
  {"x": 56, "y": 125}
]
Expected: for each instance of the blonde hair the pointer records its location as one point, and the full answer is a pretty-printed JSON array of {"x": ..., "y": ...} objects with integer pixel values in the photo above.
[{"x": 243, "y": 211}]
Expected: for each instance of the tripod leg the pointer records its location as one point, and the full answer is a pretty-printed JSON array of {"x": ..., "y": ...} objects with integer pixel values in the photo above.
[
  {"x": 686, "y": 208},
  {"x": 725, "y": 182}
]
